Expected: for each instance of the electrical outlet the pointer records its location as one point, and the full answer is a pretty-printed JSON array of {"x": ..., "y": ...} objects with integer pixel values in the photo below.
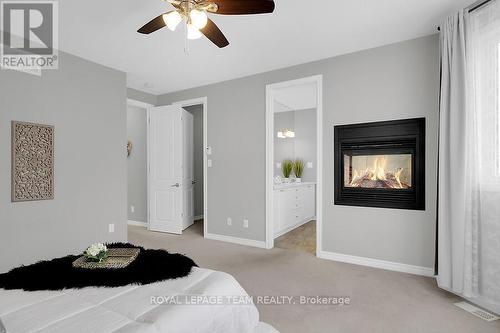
[
  {"x": 278, "y": 165},
  {"x": 111, "y": 228},
  {"x": 132, "y": 209},
  {"x": 245, "y": 223},
  {"x": 229, "y": 221},
  {"x": 309, "y": 165}
]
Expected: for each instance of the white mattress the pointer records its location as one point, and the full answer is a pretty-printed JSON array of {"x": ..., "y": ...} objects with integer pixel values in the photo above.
[{"x": 130, "y": 309}]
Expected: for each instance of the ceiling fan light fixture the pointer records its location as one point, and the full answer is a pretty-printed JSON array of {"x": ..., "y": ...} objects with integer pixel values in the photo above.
[
  {"x": 172, "y": 20},
  {"x": 194, "y": 14},
  {"x": 198, "y": 18},
  {"x": 192, "y": 32}
]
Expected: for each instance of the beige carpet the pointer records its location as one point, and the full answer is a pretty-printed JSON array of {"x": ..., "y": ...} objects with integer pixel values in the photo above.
[
  {"x": 381, "y": 301},
  {"x": 302, "y": 238}
]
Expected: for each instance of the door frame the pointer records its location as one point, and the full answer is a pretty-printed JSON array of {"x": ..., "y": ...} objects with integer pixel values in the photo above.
[
  {"x": 318, "y": 80},
  {"x": 204, "y": 102},
  {"x": 146, "y": 106}
]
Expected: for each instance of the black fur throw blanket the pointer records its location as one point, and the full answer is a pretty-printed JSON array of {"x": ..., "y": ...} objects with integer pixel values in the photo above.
[{"x": 58, "y": 274}]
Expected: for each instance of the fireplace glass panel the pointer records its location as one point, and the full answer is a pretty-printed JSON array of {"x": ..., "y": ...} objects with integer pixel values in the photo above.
[{"x": 392, "y": 171}]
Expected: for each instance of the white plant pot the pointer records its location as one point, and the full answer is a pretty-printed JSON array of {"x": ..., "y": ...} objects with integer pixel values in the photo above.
[
  {"x": 298, "y": 180},
  {"x": 286, "y": 180}
]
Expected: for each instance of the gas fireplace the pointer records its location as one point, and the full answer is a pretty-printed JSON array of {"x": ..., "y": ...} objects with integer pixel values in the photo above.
[{"x": 381, "y": 164}]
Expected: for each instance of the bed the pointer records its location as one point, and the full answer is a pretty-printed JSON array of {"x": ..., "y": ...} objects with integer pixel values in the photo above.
[{"x": 149, "y": 308}]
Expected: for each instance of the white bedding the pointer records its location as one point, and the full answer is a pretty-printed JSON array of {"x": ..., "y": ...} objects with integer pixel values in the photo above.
[{"x": 130, "y": 309}]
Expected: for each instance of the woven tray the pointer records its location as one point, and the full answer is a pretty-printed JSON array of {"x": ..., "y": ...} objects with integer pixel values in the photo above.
[{"x": 117, "y": 258}]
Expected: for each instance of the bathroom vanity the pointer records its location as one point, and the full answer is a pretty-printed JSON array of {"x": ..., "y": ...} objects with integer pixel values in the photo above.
[{"x": 294, "y": 205}]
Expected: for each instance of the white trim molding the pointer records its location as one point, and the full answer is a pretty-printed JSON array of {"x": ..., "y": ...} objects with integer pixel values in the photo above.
[
  {"x": 137, "y": 223},
  {"x": 139, "y": 104},
  {"x": 236, "y": 240},
  {"x": 318, "y": 80},
  {"x": 377, "y": 263},
  {"x": 146, "y": 106}
]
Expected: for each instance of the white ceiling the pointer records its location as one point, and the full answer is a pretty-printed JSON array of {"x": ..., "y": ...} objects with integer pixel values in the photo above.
[
  {"x": 297, "y": 32},
  {"x": 299, "y": 97}
]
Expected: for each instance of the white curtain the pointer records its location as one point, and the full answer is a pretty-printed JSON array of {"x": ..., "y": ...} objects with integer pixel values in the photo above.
[{"x": 469, "y": 156}]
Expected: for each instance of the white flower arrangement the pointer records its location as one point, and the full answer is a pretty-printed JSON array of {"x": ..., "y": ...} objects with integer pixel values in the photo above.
[{"x": 96, "y": 252}]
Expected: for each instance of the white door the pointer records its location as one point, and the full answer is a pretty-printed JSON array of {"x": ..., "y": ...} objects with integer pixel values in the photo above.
[
  {"x": 188, "y": 170},
  {"x": 165, "y": 162}
]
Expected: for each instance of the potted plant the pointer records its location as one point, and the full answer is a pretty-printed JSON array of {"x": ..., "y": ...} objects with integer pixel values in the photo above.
[
  {"x": 298, "y": 169},
  {"x": 287, "y": 168},
  {"x": 96, "y": 252}
]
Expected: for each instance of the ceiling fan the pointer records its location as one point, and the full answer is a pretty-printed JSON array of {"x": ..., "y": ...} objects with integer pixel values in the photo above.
[{"x": 194, "y": 12}]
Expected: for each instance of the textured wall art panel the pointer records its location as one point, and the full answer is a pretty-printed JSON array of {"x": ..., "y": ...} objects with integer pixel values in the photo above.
[{"x": 32, "y": 161}]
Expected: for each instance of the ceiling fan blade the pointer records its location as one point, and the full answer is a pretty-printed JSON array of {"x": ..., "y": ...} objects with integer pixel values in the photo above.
[
  {"x": 242, "y": 7},
  {"x": 212, "y": 32},
  {"x": 153, "y": 25}
]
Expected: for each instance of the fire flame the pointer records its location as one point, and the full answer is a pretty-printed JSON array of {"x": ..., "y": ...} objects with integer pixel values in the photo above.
[{"x": 378, "y": 173}]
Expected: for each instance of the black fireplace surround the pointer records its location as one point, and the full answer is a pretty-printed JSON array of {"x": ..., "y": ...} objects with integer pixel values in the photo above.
[{"x": 381, "y": 164}]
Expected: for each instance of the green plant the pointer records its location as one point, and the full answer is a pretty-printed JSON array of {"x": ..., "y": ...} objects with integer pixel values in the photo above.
[
  {"x": 96, "y": 252},
  {"x": 298, "y": 168},
  {"x": 287, "y": 168}
]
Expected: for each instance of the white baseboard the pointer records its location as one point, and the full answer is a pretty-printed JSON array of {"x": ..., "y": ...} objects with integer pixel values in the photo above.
[
  {"x": 199, "y": 217},
  {"x": 236, "y": 240},
  {"x": 137, "y": 223},
  {"x": 376, "y": 263}
]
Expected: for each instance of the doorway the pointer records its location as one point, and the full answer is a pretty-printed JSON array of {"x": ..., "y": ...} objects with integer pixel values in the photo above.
[
  {"x": 137, "y": 197},
  {"x": 198, "y": 107},
  {"x": 191, "y": 141},
  {"x": 294, "y": 164}
]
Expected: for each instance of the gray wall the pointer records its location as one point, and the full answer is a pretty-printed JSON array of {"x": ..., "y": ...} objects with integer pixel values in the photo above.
[
  {"x": 86, "y": 104},
  {"x": 142, "y": 96},
  {"x": 137, "y": 164},
  {"x": 303, "y": 146},
  {"x": 197, "y": 112},
  {"x": 390, "y": 82},
  {"x": 306, "y": 141}
]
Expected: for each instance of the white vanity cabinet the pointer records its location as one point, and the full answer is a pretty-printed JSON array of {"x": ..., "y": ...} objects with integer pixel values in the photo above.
[{"x": 294, "y": 205}]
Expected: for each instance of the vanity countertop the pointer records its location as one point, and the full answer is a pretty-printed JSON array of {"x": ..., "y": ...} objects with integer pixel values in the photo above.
[{"x": 292, "y": 185}]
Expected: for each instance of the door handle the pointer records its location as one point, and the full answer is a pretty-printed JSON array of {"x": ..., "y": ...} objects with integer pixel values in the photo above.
[
  {"x": 193, "y": 182},
  {"x": 176, "y": 185}
]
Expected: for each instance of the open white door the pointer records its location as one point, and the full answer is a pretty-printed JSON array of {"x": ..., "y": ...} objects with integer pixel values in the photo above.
[
  {"x": 167, "y": 177},
  {"x": 188, "y": 169}
]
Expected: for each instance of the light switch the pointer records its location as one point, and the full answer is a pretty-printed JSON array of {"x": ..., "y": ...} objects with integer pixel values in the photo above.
[
  {"x": 229, "y": 221},
  {"x": 132, "y": 209},
  {"x": 111, "y": 228},
  {"x": 309, "y": 165},
  {"x": 209, "y": 163},
  {"x": 278, "y": 165}
]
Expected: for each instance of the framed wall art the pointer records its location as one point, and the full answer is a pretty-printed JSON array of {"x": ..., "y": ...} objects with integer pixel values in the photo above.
[{"x": 32, "y": 161}]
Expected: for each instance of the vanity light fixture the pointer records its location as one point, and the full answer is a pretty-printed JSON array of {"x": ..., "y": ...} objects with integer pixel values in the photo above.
[{"x": 286, "y": 133}]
